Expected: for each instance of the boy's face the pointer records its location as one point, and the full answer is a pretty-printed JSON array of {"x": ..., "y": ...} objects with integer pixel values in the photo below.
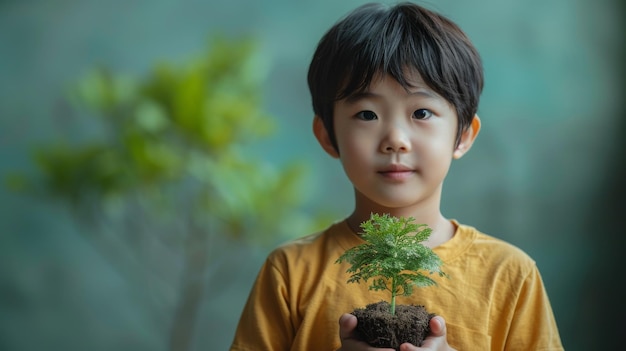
[{"x": 396, "y": 146}]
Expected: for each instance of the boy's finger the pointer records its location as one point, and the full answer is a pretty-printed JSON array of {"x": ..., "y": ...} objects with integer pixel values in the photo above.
[
  {"x": 347, "y": 323},
  {"x": 437, "y": 326}
]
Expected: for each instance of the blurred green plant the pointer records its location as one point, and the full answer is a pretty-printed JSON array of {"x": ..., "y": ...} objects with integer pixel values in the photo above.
[{"x": 162, "y": 167}]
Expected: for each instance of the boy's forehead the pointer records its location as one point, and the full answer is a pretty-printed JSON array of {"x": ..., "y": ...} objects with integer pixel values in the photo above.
[{"x": 411, "y": 79}]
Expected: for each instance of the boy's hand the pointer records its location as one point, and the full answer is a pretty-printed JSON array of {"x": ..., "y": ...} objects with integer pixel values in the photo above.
[
  {"x": 349, "y": 340},
  {"x": 435, "y": 341}
]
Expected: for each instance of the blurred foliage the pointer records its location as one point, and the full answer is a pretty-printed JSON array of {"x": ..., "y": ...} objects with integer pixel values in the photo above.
[
  {"x": 161, "y": 166},
  {"x": 177, "y": 140}
]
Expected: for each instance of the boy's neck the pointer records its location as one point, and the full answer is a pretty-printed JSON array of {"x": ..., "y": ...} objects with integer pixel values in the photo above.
[{"x": 442, "y": 228}]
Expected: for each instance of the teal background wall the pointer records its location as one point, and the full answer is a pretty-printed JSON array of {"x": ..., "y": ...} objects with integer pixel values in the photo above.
[{"x": 546, "y": 173}]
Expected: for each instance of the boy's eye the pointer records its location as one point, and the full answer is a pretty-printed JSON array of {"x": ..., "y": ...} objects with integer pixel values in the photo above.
[
  {"x": 422, "y": 114},
  {"x": 366, "y": 115}
]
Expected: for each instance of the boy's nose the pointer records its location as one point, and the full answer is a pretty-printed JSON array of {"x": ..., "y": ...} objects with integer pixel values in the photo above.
[{"x": 396, "y": 139}]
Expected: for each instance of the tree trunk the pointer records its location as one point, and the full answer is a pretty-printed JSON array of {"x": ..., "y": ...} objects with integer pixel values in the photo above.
[{"x": 192, "y": 290}]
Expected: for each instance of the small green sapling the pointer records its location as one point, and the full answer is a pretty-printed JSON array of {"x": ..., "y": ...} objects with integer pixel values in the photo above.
[{"x": 393, "y": 256}]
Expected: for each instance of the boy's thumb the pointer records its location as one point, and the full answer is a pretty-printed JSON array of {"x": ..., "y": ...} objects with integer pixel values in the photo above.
[
  {"x": 437, "y": 326},
  {"x": 347, "y": 323}
]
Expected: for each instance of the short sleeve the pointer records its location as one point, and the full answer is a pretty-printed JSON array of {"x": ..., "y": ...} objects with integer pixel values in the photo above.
[
  {"x": 265, "y": 323},
  {"x": 533, "y": 326}
]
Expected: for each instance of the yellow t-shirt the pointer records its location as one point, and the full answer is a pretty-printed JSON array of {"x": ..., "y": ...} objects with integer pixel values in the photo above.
[{"x": 493, "y": 298}]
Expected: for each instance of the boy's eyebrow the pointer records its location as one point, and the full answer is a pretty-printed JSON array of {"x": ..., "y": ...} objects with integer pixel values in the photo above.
[
  {"x": 366, "y": 94},
  {"x": 425, "y": 93},
  {"x": 360, "y": 96}
]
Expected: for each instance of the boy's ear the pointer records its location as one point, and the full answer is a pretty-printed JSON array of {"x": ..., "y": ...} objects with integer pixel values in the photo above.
[
  {"x": 467, "y": 138},
  {"x": 322, "y": 137}
]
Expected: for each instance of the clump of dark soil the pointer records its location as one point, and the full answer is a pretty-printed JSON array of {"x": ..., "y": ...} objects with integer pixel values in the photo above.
[{"x": 379, "y": 328}]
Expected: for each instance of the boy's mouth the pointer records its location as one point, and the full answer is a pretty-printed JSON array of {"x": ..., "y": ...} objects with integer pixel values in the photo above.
[{"x": 397, "y": 171}]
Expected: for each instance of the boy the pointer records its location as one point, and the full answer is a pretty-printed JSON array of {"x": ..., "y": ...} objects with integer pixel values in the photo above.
[{"x": 395, "y": 92}]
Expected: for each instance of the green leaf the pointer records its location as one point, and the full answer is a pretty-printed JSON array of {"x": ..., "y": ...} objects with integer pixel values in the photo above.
[{"x": 393, "y": 256}]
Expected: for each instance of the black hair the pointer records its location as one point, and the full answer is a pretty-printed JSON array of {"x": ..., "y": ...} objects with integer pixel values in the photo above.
[{"x": 377, "y": 39}]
